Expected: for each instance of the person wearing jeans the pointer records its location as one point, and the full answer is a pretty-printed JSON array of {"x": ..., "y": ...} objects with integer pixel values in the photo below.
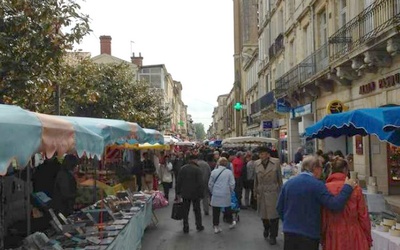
[{"x": 221, "y": 186}]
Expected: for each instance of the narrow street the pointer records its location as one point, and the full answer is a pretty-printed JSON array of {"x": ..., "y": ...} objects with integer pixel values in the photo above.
[{"x": 168, "y": 234}]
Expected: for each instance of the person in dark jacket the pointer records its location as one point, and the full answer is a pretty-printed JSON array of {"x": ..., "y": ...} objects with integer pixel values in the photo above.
[
  {"x": 149, "y": 170},
  {"x": 190, "y": 188},
  {"x": 177, "y": 165},
  {"x": 298, "y": 157},
  {"x": 65, "y": 189}
]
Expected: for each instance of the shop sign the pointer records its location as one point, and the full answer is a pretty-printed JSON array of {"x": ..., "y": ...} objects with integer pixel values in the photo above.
[
  {"x": 386, "y": 82},
  {"x": 335, "y": 107},
  {"x": 266, "y": 125},
  {"x": 283, "y": 106},
  {"x": 301, "y": 110}
]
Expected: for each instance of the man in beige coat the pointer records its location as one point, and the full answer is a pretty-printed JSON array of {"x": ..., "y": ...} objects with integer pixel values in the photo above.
[{"x": 267, "y": 186}]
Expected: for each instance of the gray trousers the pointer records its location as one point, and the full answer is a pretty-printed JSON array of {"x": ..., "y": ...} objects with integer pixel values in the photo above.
[{"x": 206, "y": 202}]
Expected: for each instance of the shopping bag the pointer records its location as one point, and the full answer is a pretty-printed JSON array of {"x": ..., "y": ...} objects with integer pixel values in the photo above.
[
  {"x": 159, "y": 200},
  {"x": 177, "y": 211}
]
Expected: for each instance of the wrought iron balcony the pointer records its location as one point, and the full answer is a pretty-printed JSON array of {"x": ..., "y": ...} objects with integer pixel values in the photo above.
[
  {"x": 370, "y": 23},
  {"x": 262, "y": 103},
  {"x": 276, "y": 47},
  {"x": 309, "y": 67}
]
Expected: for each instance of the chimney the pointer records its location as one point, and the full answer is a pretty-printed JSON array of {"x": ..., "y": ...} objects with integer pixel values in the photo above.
[
  {"x": 137, "y": 60},
  {"x": 105, "y": 45}
]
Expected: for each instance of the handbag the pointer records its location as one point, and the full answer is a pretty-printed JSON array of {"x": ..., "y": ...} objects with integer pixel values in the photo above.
[
  {"x": 216, "y": 179},
  {"x": 177, "y": 211}
]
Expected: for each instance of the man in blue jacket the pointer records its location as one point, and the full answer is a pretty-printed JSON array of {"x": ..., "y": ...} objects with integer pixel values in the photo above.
[{"x": 299, "y": 205}]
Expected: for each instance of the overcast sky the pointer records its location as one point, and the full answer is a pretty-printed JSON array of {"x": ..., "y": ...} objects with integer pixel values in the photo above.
[{"x": 192, "y": 38}]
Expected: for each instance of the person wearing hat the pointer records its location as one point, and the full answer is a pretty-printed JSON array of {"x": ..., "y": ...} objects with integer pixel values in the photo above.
[{"x": 267, "y": 186}]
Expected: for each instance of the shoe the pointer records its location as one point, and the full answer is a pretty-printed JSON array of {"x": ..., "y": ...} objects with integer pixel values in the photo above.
[
  {"x": 185, "y": 230},
  {"x": 266, "y": 234},
  {"x": 200, "y": 228},
  {"x": 217, "y": 229},
  {"x": 272, "y": 241},
  {"x": 232, "y": 225}
]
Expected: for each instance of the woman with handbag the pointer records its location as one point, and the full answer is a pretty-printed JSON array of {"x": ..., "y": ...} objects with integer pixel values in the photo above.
[
  {"x": 166, "y": 175},
  {"x": 221, "y": 186}
]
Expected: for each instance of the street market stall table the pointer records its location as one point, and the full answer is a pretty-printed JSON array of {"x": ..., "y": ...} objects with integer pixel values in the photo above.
[{"x": 384, "y": 241}]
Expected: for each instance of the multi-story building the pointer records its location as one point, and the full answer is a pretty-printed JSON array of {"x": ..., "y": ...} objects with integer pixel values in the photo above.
[
  {"x": 347, "y": 58},
  {"x": 313, "y": 58},
  {"x": 160, "y": 81},
  {"x": 220, "y": 116}
]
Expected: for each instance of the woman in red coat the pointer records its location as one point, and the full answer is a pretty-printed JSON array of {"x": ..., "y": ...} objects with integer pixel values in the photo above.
[{"x": 351, "y": 228}]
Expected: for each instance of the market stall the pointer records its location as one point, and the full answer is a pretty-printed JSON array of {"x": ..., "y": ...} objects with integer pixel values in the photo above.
[
  {"x": 25, "y": 133},
  {"x": 88, "y": 138}
]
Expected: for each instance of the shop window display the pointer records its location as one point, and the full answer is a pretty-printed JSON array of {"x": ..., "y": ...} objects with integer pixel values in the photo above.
[{"x": 394, "y": 163}]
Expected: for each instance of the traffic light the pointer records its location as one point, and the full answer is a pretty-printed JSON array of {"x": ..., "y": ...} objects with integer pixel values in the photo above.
[{"x": 238, "y": 106}]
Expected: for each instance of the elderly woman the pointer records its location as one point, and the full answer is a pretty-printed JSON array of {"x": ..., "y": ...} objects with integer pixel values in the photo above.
[{"x": 221, "y": 186}]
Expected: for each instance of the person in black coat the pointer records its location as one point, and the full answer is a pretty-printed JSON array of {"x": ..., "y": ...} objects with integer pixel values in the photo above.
[
  {"x": 190, "y": 188},
  {"x": 65, "y": 189}
]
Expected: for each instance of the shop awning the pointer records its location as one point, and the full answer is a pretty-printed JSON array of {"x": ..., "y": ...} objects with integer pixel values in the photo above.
[
  {"x": 154, "y": 136},
  {"x": 392, "y": 119},
  {"x": 248, "y": 140},
  {"x": 111, "y": 130},
  {"x": 24, "y": 133},
  {"x": 368, "y": 121}
]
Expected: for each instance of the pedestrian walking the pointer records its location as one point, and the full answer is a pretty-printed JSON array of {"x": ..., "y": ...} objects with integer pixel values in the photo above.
[
  {"x": 299, "y": 205},
  {"x": 166, "y": 176},
  {"x": 237, "y": 166},
  {"x": 177, "y": 165},
  {"x": 248, "y": 181},
  {"x": 267, "y": 185},
  {"x": 351, "y": 228},
  {"x": 206, "y": 172},
  {"x": 221, "y": 186},
  {"x": 190, "y": 188},
  {"x": 148, "y": 172}
]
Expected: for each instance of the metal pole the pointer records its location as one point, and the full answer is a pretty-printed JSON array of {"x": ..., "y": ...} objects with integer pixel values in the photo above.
[
  {"x": 58, "y": 94},
  {"x": 2, "y": 220},
  {"x": 27, "y": 197}
]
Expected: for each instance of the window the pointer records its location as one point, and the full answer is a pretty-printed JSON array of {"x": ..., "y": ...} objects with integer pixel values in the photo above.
[
  {"x": 292, "y": 54},
  {"x": 369, "y": 22},
  {"x": 323, "y": 33},
  {"x": 155, "y": 81},
  {"x": 342, "y": 13},
  {"x": 280, "y": 22},
  {"x": 306, "y": 40}
]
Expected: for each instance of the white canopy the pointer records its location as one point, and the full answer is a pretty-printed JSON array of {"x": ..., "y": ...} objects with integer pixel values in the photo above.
[
  {"x": 168, "y": 139},
  {"x": 248, "y": 140}
]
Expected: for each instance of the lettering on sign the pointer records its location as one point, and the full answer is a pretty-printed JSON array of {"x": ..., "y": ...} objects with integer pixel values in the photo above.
[
  {"x": 386, "y": 82},
  {"x": 367, "y": 88}
]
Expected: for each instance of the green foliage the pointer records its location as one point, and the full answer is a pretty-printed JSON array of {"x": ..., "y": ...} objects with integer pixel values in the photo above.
[
  {"x": 110, "y": 91},
  {"x": 199, "y": 131},
  {"x": 34, "y": 37}
]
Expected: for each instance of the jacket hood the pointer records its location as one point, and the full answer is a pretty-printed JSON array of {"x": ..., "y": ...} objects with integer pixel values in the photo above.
[{"x": 336, "y": 177}]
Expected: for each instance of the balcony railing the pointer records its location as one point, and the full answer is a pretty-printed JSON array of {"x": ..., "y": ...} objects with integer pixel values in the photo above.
[
  {"x": 309, "y": 67},
  {"x": 367, "y": 25},
  {"x": 264, "y": 102},
  {"x": 276, "y": 47}
]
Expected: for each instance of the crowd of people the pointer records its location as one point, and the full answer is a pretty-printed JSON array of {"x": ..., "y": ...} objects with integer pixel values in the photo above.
[{"x": 317, "y": 204}]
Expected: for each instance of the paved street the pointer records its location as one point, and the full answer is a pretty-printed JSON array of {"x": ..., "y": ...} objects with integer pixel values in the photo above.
[{"x": 168, "y": 234}]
